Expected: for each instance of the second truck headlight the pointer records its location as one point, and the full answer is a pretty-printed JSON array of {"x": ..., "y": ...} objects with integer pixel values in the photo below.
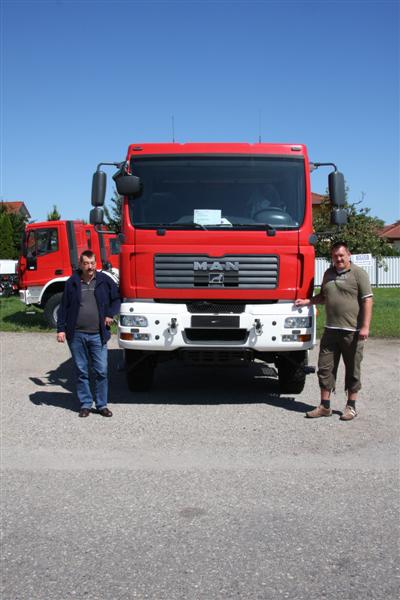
[
  {"x": 297, "y": 322},
  {"x": 133, "y": 321}
]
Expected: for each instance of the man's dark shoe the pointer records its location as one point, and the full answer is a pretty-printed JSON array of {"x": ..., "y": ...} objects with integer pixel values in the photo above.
[
  {"x": 105, "y": 412},
  {"x": 84, "y": 412}
]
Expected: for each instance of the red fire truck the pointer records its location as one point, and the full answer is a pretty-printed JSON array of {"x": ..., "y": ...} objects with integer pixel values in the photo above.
[
  {"x": 50, "y": 253},
  {"x": 217, "y": 244}
]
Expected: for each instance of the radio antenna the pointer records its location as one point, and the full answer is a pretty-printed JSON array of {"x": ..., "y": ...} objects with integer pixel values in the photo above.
[
  {"x": 259, "y": 125},
  {"x": 173, "y": 129}
]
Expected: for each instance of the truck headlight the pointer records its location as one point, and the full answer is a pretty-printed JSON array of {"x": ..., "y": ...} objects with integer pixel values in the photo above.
[
  {"x": 297, "y": 322},
  {"x": 133, "y": 321}
]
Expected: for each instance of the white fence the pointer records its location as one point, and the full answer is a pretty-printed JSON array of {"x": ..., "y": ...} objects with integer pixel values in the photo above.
[{"x": 387, "y": 275}]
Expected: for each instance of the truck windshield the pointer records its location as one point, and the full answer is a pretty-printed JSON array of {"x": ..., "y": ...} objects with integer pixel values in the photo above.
[{"x": 214, "y": 192}]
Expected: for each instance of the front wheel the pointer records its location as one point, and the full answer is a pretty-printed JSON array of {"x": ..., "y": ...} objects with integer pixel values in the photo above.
[
  {"x": 50, "y": 312},
  {"x": 139, "y": 370},
  {"x": 291, "y": 374}
]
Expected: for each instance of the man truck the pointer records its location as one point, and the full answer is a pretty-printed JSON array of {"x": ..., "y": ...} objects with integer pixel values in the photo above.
[{"x": 217, "y": 243}]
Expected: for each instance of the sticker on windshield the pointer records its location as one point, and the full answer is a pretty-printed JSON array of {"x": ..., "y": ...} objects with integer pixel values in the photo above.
[{"x": 207, "y": 216}]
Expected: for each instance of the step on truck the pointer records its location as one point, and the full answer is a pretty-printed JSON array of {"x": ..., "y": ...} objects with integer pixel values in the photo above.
[
  {"x": 50, "y": 253},
  {"x": 217, "y": 243}
]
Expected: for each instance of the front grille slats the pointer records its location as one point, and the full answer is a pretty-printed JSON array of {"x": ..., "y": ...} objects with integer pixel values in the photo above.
[
  {"x": 214, "y": 307},
  {"x": 229, "y": 271}
]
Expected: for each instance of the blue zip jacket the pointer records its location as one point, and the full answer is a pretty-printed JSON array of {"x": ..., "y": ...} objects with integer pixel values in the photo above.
[{"x": 108, "y": 302}]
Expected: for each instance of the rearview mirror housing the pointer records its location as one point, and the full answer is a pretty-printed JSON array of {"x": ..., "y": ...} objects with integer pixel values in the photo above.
[
  {"x": 339, "y": 216},
  {"x": 336, "y": 185},
  {"x": 96, "y": 216},
  {"x": 99, "y": 184},
  {"x": 127, "y": 185}
]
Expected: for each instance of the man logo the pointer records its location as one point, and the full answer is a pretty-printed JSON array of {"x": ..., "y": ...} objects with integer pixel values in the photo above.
[
  {"x": 215, "y": 279},
  {"x": 216, "y": 265}
]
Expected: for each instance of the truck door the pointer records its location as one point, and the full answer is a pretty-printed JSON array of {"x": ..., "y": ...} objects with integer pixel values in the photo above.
[
  {"x": 44, "y": 259},
  {"x": 113, "y": 249}
]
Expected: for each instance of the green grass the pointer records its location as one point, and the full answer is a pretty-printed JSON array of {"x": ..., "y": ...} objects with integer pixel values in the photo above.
[
  {"x": 385, "y": 318},
  {"x": 14, "y": 316}
]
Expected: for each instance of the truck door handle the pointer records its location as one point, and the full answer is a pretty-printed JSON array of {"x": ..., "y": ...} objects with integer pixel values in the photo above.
[{"x": 58, "y": 272}]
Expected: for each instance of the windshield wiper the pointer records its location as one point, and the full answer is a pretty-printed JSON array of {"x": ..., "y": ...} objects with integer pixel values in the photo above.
[
  {"x": 254, "y": 226},
  {"x": 171, "y": 225}
]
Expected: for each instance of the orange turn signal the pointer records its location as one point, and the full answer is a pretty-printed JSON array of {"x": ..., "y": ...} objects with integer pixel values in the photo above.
[
  {"x": 126, "y": 336},
  {"x": 304, "y": 338}
]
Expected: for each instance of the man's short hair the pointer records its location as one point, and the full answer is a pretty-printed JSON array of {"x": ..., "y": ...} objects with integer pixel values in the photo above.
[
  {"x": 87, "y": 254},
  {"x": 339, "y": 244}
]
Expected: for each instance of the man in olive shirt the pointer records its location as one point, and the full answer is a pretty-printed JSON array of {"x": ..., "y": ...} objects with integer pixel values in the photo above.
[{"x": 347, "y": 295}]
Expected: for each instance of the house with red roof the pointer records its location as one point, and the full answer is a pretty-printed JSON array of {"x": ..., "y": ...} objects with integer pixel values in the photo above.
[
  {"x": 317, "y": 200},
  {"x": 17, "y": 208},
  {"x": 391, "y": 233}
]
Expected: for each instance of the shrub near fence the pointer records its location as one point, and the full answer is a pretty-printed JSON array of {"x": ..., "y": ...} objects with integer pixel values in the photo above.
[{"x": 386, "y": 275}]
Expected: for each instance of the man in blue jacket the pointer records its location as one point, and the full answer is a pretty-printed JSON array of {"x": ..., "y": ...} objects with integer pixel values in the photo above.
[{"x": 90, "y": 300}]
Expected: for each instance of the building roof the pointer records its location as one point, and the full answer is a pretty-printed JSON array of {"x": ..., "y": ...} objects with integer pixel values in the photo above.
[
  {"x": 317, "y": 199},
  {"x": 17, "y": 208},
  {"x": 391, "y": 232}
]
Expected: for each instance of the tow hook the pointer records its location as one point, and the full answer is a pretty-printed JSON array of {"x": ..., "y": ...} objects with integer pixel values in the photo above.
[
  {"x": 258, "y": 327},
  {"x": 173, "y": 326}
]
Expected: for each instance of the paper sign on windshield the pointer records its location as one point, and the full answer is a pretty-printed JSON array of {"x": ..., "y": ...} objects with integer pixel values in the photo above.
[{"x": 207, "y": 216}]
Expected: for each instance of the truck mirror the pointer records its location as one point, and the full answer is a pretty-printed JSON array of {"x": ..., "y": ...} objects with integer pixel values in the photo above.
[
  {"x": 339, "y": 216},
  {"x": 336, "y": 189},
  {"x": 99, "y": 184},
  {"x": 127, "y": 185},
  {"x": 31, "y": 263},
  {"x": 96, "y": 216}
]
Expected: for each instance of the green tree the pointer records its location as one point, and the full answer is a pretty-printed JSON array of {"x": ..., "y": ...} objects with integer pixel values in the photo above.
[
  {"x": 361, "y": 233},
  {"x": 54, "y": 215},
  {"x": 113, "y": 218},
  {"x": 18, "y": 223},
  {"x": 7, "y": 248}
]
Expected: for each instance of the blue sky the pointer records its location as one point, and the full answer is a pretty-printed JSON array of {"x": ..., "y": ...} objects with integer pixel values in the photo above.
[{"x": 82, "y": 80}]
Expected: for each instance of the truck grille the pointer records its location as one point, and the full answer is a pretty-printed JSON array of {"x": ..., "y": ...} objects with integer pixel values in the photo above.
[
  {"x": 204, "y": 306},
  {"x": 226, "y": 272}
]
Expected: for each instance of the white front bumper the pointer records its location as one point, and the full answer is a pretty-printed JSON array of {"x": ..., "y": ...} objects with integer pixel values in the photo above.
[
  {"x": 32, "y": 295},
  {"x": 264, "y": 325}
]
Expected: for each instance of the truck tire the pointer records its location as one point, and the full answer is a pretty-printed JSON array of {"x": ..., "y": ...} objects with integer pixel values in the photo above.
[
  {"x": 139, "y": 371},
  {"x": 51, "y": 309},
  {"x": 291, "y": 376}
]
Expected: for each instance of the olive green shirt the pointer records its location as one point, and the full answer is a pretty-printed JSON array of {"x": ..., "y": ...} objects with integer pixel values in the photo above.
[{"x": 343, "y": 295}]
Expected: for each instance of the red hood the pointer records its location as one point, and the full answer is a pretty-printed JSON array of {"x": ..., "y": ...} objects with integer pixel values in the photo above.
[{"x": 138, "y": 262}]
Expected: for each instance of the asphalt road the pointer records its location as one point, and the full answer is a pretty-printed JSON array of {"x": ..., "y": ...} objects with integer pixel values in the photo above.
[{"x": 210, "y": 487}]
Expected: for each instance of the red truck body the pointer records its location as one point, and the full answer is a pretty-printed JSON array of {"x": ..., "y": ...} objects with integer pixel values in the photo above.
[
  {"x": 216, "y": 246},
  {"x": 296, "y": 275},
  {"x": 50, "y": 254}
]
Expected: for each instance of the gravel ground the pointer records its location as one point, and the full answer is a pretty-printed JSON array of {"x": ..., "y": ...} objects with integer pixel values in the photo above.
[{"x": 209, "y": 487}]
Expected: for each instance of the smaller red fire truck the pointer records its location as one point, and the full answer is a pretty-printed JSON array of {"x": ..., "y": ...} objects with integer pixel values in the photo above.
[{"x": 50, "y": 254}]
